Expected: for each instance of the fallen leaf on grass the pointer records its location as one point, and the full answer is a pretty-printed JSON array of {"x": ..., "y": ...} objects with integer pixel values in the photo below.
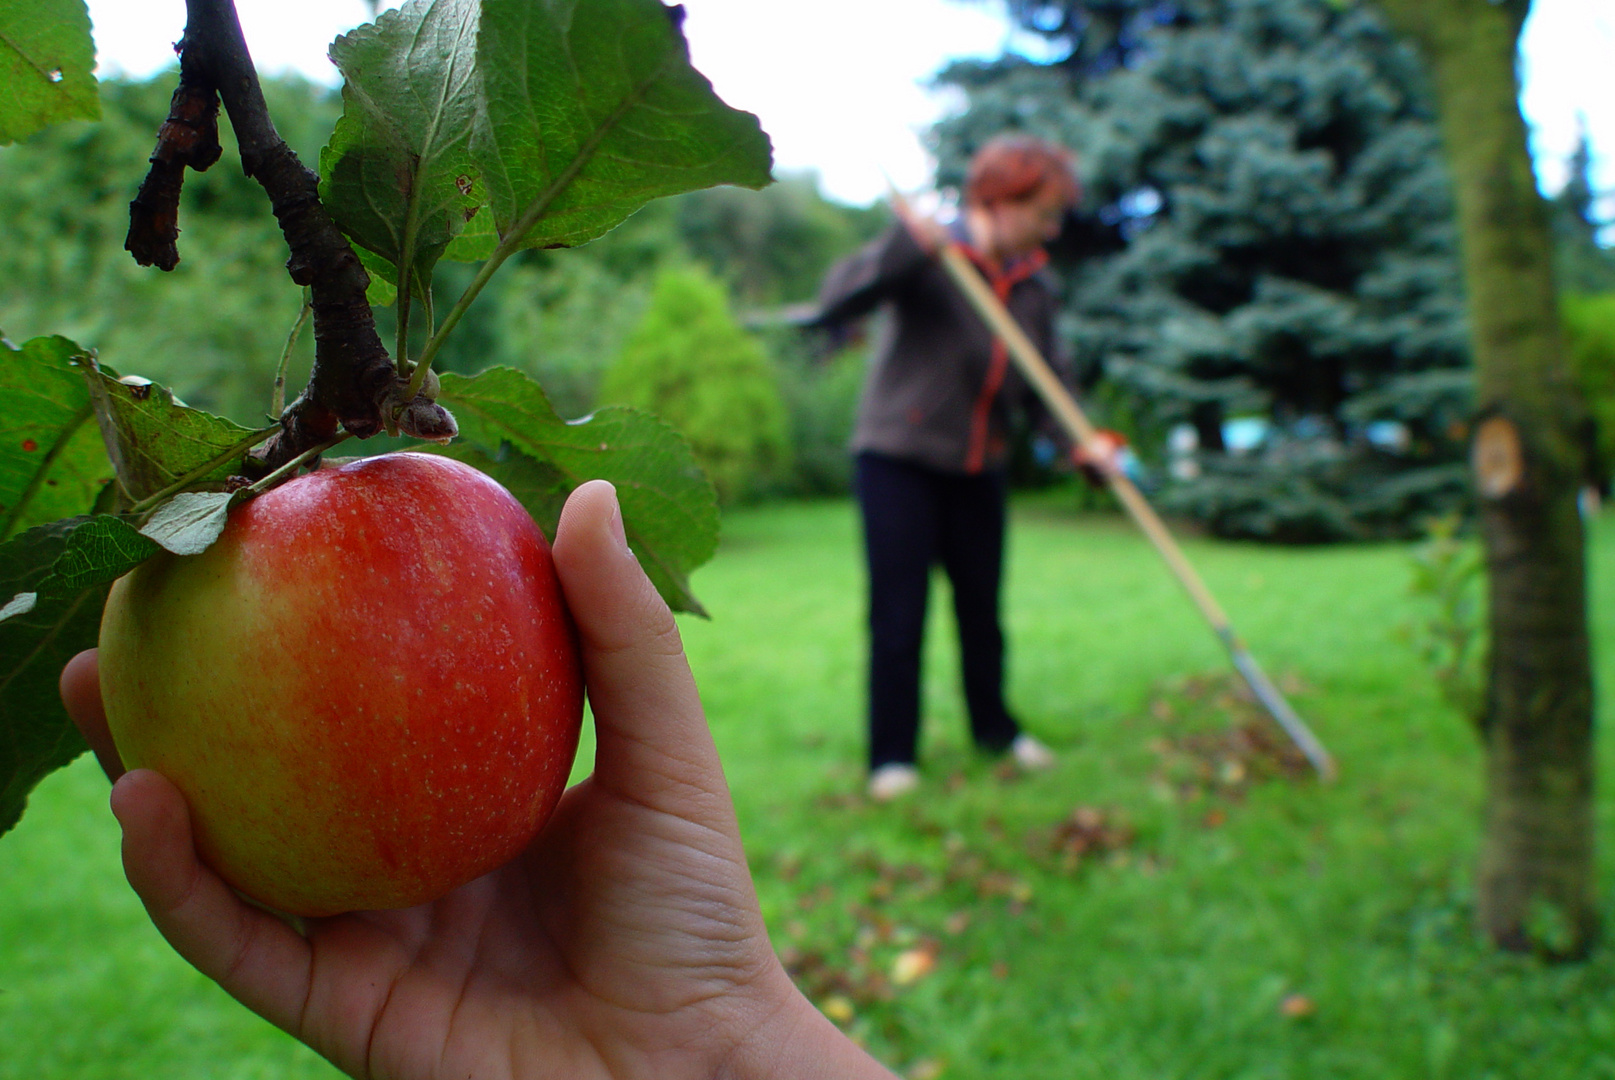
[
  {"x": 821, "y": 895},
  {"x": 851, "y": 978},
  {"x": 1085, "y": 833},
  {"x": 838, "y": 1008},
  {"x": 1297, "y": 1006},
  {"x": 926, "y": 1069},
  {"x": 912, "y": 965},
  {"x": 998, "y": 883}
]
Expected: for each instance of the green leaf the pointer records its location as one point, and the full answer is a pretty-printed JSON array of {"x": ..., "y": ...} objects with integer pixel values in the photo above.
[
  {"x": 591, "y": 110},
  {"x": 669, "y": 509},
  {"x": 97, "y": 551},
  {"x": 397, "y": 174},
  {"x": 52, "y": 460},
  {"x": 36, "y": 737},
  {"x": 155, "y": 440},
  {"x": 188, "y": 523},
  {"x": 475, "y": 242},
  {"x": 383, "y": 288},
  {"x": 47, "y": 60}
]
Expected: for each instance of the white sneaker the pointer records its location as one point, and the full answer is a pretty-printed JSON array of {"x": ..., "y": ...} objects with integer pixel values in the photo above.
[
  {"x": 893, "y": 781},
  {"x": 1030, "y": 754}
]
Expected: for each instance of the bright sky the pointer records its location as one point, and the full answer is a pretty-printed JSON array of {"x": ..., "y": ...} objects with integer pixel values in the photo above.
[{"x": 839, "y": 84}]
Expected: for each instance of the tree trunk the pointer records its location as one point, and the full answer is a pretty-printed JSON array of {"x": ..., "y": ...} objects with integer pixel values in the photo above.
[{"x": 1536, "y": 879}]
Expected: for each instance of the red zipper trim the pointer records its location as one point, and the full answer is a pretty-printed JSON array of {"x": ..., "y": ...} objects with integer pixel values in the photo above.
[{"x": 998, "y": 364}]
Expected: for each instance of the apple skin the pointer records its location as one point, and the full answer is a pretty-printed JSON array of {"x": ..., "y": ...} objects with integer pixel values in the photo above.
[{"x": 368, "y": 689}]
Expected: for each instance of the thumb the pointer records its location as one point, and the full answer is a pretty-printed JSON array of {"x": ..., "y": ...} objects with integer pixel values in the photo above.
[{"x": 652, "y": 738}]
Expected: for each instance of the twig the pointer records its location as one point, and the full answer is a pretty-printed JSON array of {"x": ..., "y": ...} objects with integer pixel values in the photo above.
[
  {"x": 353, "y": 385},
  {"x": 189, "y": 138},
  {"x": 277, "y": 400}
]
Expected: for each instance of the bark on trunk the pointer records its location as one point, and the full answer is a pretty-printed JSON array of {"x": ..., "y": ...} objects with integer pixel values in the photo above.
[{"x": 1536, "y": 879}]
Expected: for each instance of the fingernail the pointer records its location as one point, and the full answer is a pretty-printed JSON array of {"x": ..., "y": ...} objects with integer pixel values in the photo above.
[{"x": 614, "y": 522}]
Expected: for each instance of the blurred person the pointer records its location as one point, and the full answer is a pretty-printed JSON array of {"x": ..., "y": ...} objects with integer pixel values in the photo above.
[
  {"x": 625, "y": 942},
  {"x": 931, "y": 440}
]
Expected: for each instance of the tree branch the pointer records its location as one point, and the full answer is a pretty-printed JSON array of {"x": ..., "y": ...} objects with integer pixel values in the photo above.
[
  {"x": 354, "y": 385},
  {"x": 189, "y": 137}
]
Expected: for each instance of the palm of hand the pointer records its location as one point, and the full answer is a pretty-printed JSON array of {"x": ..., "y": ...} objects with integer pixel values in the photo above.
[{"x": 623, "y": 918}]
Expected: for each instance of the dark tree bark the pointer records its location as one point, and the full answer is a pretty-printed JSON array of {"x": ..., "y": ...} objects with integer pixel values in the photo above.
[{"x": 1536, "y": 888}]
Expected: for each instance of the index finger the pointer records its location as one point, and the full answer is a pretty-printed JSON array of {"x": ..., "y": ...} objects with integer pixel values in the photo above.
[{"x": 81, "y": 695}]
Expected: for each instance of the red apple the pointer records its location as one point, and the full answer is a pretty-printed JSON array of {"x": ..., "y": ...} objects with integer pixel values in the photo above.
[{"x": 368, "y": 688}]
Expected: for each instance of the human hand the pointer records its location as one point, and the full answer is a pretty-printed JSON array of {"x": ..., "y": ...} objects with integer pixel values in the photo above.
[
  {"x": 626, "y": 941},
  {"x": 931, "y": 235},
  {"x": 1100, "y": 461}
]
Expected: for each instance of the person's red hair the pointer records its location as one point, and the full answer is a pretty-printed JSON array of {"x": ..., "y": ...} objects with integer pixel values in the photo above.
[{"x": 1010, "y": 168}]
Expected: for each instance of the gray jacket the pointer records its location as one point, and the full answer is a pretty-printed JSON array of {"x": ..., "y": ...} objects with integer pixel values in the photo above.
[{"x": 941, "y": 390}]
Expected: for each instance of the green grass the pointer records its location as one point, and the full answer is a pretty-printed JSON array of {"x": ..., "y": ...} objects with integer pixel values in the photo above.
[{"x": 1170, "y": 955}]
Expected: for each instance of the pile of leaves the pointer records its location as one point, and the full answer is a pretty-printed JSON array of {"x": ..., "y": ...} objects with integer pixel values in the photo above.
[
  {"x": 903, "y": 914},
  {"x": 1218, "y": 742},
  {"x": 888, "y": 937},
  {"x": 1087, "y": 833}
]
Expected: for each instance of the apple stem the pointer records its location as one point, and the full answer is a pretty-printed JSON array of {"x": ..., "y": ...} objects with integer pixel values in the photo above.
[{"x": 286, "y": 471}]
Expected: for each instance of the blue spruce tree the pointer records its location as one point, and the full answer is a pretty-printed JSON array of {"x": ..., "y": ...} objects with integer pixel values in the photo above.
[{"x": 1290, "y": 258}]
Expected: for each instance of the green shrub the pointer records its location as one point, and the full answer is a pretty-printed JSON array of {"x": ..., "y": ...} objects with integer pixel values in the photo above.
[
  {"x": 821, "y": 399},
  {"x": 1589, "y": 327},
  {"x": 562, "y": 325},
  {"x": 690, "y": 362},
  {"x": 1449, "y": 630}
]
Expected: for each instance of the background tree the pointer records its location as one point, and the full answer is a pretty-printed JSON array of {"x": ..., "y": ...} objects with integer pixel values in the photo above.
[
  {"x": 689, "y": 362},
  {"x": 1536, "y": 880},
  {"x": 562, "y": 316},
  {"x": 772, "y": 246},
  {"x": 214, "y": 327},
  {"x": 1291, "y": 256},
  {"x": 1581, "y": 263},
  {"x": 1589, "y": 325},
  {"x": 1585, "y": 271}
]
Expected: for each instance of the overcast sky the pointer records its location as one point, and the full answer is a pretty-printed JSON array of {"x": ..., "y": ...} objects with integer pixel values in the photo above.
[{"x": 839, "y": 84}]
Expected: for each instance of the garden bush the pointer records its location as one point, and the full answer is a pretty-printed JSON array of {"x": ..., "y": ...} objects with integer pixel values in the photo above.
[
  {"x": 692, "y": 364},
  {"x": 1589, "y": 325},
  {"x": 821, "y": 397}
]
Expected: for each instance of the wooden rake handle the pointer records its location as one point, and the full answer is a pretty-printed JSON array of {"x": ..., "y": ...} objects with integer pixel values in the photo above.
[{"x": 1036, "y": 370}]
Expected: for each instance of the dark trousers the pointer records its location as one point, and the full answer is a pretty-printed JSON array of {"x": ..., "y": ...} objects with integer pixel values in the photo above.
[{"x": 914, "y": 518}]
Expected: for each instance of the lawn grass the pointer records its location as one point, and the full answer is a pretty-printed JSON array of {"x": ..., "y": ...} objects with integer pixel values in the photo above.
[{"x": 1221, "y": 925}]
